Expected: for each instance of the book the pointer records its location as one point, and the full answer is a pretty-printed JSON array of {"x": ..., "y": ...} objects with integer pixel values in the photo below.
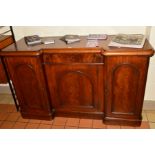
[
  {"x": 70, "y": 38},
  {"x": 128, "y": 40},
  {"x": 47, "y": 40},
  {"x": 32, "y": 40},
  {"x": 97, "y": 37}
]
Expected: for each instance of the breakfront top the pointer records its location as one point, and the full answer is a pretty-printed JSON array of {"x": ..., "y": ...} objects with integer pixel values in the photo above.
[{"x": 21, "y": 46}]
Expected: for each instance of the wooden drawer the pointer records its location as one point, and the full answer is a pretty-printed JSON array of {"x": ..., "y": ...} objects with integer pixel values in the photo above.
[{"x": 73, "y": 58}]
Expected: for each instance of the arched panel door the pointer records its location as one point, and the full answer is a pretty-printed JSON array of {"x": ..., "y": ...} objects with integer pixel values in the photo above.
[
  {"x": 27, "y": 77},
  {"x": 124, "y": 89},
  {"x": 76, "y": 87},
  {"x": 125, "y": 86}
]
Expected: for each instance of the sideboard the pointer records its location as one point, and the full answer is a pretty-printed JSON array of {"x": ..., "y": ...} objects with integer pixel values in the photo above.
[{"x": 73, "y": 80}]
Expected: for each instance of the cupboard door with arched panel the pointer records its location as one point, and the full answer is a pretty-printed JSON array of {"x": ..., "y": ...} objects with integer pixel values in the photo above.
[
  {"x": 125, "y": 87},
  {"x": 76, "y": 88},
  {"x": 27, "y": 76}
]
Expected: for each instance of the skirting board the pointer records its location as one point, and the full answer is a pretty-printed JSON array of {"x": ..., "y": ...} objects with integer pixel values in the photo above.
[
  {"x": 4, "y": 89},
  {"x": 148, "y": 104}
]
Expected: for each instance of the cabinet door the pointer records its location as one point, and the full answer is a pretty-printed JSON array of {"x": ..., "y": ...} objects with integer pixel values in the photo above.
[
  {"x": 75, "y": 87},
  {"x": 27, "y": 76},
  {"x": 125, "y": 86}
]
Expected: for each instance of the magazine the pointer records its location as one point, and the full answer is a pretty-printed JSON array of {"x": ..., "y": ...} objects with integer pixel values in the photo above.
[{"x": 128, "y": 40}]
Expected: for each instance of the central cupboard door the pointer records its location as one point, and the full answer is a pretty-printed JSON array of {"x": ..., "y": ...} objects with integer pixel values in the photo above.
[{"x": 75, "y": 87}]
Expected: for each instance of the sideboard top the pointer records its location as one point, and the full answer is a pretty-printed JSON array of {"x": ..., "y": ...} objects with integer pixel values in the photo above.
[{"x": 21, "y": 46}]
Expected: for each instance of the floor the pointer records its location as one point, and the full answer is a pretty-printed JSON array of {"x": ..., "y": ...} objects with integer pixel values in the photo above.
[{"x": 11, "y": 119}]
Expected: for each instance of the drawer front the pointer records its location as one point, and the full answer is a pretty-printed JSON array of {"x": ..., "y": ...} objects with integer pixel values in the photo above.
[{"x": 73, "y": 58}]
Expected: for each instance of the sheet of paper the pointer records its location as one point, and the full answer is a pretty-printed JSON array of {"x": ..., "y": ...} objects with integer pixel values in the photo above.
[{"x": 92, "y": 43}]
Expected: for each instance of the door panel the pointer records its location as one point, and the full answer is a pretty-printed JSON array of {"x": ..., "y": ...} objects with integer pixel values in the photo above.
[
  {"x": 124, "y": 78},
  {"x": 75, "y": 87},
  {"x": 125, "y": 86},
  {"x": 28, "y": 80}
]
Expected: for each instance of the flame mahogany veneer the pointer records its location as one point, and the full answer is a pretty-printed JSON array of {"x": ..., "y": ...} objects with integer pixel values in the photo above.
[{"x": 76, "y": 81}]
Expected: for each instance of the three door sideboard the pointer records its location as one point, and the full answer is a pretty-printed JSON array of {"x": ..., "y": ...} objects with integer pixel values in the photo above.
[{"x": 73, "y": 80}]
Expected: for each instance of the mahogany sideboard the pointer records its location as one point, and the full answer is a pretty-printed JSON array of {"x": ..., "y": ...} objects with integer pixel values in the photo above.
[{"x": 73, "y": 80}]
